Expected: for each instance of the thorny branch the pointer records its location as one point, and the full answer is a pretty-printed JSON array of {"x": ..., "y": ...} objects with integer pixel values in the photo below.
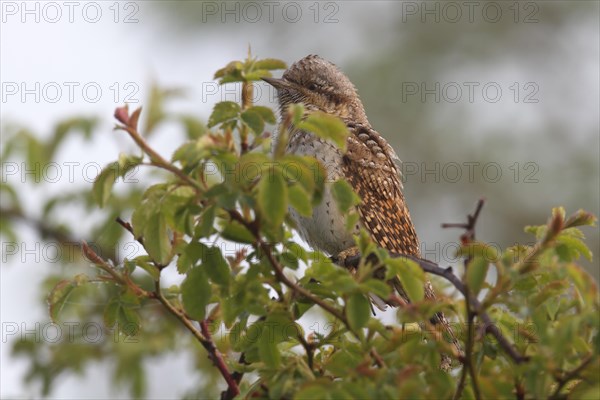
[{"x": 204, "y": 336}]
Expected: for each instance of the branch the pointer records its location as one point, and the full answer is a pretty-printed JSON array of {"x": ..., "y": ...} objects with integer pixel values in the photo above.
[
  {"x": 467, "y": 237},
  {"x": 570, "y": 375},
  {"x": 204, "y": 337},
  {"x": 130, "y": 126},
  {"x": 278, "y": 269}
]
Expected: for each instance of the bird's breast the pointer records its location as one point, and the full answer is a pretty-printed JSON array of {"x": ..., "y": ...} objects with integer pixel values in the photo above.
[{"x": 326, "y": 228}]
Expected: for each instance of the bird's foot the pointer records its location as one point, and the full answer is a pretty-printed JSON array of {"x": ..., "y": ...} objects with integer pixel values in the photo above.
[{"x": 343, "y": 256}]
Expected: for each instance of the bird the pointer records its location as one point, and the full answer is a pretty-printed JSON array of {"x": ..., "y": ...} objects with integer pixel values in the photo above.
[{"x": 368, "y": 164}]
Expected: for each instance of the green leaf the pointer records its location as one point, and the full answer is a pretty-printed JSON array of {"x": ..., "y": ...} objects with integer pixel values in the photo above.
[
  {"x": 196, "y": 293},
  {"x": 128, "y": 321},
  {"x": 104, "y": 183},
  {"x": 358, "y": 311},
  {"x": 344, "y": 195},
  {"x": 254, "y": 121},
  {"x": 216, "y": 267},
  {"x": 206, "y": 226},
  {"x": 232, "y": 69},
  {"x": 300, "y": 200},
  {"x": 313, "y": 391},
  {"x": 250, "y": 166},
  {"x": 145, "y": 263},
  {"x": 236, "y": 232},
  {"x": 410, "y": 274},
  {"x": 60, "y": 294},
  {"x": 273, "y": 197},
  {"x": 269, "y": 63},
  {"x": 377, "y": 287},
  {"x": 189, "y": 257},
  {"x": 574, "y": 247},
  {"x": 111, "y": 312},
  {"x": 267, "y": 349},
  {"x": 156, "y": 239},
  {"x": 266, "y": 113},
  {"x": 579, "y": 218},
  {"x": 327, "y": 127},
  {"x": 476, "y": 273},
  {"x": 222, "y": 112}
]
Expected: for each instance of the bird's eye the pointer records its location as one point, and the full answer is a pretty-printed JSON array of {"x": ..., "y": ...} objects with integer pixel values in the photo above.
[{"x": 313, "y": 86}]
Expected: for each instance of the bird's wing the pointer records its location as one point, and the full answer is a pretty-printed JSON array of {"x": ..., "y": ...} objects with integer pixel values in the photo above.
[{"x": 369, "y": 167}]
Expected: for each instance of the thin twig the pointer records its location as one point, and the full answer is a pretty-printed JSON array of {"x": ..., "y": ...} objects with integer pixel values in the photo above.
[
  {"x": 378, "y": 359},
  {"x": 204, "y": 337},
  {"x": 157, "y": 160},
  {"x": 468, "y": 366},
  {"x": 278, "y": 269},
  {"x": 570, "y": 375}
]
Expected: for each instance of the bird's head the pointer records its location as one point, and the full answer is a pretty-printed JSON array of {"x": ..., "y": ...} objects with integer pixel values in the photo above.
[{"x": 319, "y": 85}]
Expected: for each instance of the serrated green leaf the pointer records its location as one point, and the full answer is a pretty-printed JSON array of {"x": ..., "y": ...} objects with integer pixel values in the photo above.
[
  {"x": 273, "y": 197},
  {"x": 266, "y": 113},
  {"x": 254, "y": 121},
  {"x": 145, "y": 263},
  {"x": 216, "y": 267},
  {"x": 344, "y": 195},
  {"x": 127, "y": 162},
  {"x": 190, "y": 256},
  {"x": 327, "y": 127},
  {"x": 223, "y": 111},
  {"x": 196, "y": 293},
  {"x": 156, "y": 239},
  {"x": 128, "y": 321},
  {"x": 206, "y": 226},
  {"x": 60, "y": 294},
  {"x": 300, "y": 200},
  {"x": 251, "y": 166},
  {"x": 579, "y": 218},
  {"x": 476, "y": 273},
  {"x": 111, "y": 312},
  {"x": 376, "y": 287},
  {"x": 267, "y": 349},
  {"x": 231, "y": 68},
  {"x": 104, "y": 183},
  {"x": 236, "y": 232},
  {"x": 358, "y": 311},
  {"x": 575, "y": 247},
  {"x": 411, "y": 276},
  {"x": 269, "y": 64},
  {"x": 139, "y": 218}
]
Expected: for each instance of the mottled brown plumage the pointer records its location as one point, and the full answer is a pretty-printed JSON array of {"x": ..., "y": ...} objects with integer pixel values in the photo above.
[{"x": 368, "y": 164}]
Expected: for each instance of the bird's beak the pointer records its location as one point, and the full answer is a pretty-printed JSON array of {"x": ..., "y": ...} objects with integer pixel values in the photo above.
[{"x": 276, "y": 83}]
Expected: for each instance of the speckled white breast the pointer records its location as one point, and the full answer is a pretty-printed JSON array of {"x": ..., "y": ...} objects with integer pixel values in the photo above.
[{"x": 326, "y": 228}]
